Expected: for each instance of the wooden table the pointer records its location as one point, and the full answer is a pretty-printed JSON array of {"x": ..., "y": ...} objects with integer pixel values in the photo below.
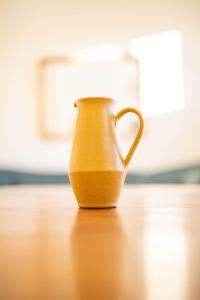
[{"x": 148, "y": 248}]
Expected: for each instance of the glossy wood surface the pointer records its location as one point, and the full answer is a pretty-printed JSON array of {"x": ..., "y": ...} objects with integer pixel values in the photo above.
[{"x": 147, "y": 248}]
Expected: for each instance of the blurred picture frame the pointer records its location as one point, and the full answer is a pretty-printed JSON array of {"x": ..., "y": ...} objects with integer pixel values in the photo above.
[{"x": 64, "y": 79}]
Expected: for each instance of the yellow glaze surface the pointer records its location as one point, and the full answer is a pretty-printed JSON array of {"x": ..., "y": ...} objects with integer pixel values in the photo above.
[{"x": 97, "y": 169}]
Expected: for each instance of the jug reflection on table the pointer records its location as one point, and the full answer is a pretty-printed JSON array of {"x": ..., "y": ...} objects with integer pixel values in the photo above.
[{"x": 97, "y": 169}]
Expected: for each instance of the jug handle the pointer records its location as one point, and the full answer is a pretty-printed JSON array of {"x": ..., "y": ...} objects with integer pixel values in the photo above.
[{"x": 138, "y": 134}]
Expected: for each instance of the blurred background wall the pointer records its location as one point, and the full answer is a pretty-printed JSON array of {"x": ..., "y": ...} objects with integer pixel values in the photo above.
[{"x": 31, "y": 30}]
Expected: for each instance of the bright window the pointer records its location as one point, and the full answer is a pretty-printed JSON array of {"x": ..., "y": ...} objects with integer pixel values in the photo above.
[{"x": 161, "y": 73}]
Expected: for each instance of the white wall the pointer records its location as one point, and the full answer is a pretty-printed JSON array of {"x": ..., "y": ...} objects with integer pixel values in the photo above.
[{"x": 33, "y": 29}]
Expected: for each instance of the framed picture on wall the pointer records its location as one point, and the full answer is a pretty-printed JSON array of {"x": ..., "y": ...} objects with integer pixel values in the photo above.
[{"x": 63, "y": 80}]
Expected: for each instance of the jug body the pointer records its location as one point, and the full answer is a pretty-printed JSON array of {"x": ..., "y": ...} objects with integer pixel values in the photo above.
[{"x": 97, "y": 169}]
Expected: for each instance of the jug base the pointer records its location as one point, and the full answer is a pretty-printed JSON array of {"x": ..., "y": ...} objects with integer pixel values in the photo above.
[{"x": 95, "y": 205}]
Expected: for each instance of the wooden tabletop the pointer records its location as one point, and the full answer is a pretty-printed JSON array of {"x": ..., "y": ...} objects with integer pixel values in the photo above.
[{"x": 147, "y": 248}]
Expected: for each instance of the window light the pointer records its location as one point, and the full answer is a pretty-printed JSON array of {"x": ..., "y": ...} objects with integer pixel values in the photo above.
[
  {"x": 161, "y": 75},
  {"x": 110, "y": 52}
]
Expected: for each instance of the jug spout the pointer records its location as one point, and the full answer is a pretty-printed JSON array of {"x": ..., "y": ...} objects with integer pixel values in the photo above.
[{"x": 94, "y": 100}]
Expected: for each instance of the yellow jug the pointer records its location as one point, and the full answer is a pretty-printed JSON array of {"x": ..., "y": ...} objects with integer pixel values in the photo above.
[{"x": 97, "y": 170}]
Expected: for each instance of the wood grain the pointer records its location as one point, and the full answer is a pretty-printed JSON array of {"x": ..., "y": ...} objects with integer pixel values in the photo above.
[{"x": 147, "y": 248}]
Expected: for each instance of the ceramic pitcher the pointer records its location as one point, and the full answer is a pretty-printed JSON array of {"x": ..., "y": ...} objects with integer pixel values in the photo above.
[{"x": 97, "y": 169}]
